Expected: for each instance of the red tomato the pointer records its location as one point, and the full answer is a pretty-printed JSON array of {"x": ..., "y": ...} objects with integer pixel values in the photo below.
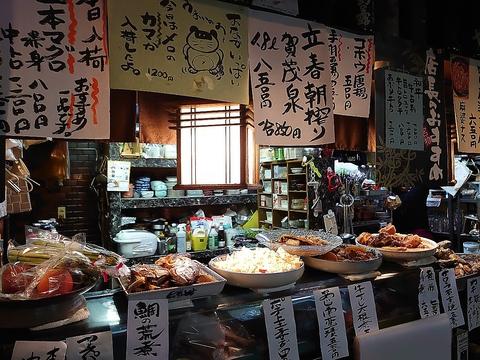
[
  {"x": 55, "y": 282},
  {"x": 14, "y": 279}
]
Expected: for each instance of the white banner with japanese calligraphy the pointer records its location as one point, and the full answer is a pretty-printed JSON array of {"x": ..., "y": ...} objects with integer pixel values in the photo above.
[
  {"x": 450, "y": 299},
  {"x": 351, "y": 66},
  {"x": 39, "y": 350},
  {"x": 364, "y": 311},
  {"x": 183, "y": 47},
  {"x": 331, "y": 323},
  {"x": 403, "y": 111},
  {"x": 291, "y": 85},
  {"x": 54, "y": 69},
  {"x": 98, "y": 346},
  {"x": 147, "y": 329},
  {"x": 466, "y": 92},
  {"x": 428, "y": 303},
  {"x": 473, "y": 303}
]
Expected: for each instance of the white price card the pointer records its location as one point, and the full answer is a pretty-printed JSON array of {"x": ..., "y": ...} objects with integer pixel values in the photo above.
[
  {"x": 331, "y": 322},
  {"x": 473, "y": 303},
  {"x": 364, "y": 312},
  {"x": 450, "y": 299},
  {"x": 39, "y": 350},
  {"x": 281, "y": 330},
  {"x": 462, "y": 344},
  {"x": 428, "y": 303},
  {"x": 96, "y": 346},
  {"x": 147, "y": 329}
]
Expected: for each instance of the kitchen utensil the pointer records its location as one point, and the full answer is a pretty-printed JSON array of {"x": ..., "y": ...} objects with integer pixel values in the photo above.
[{"x": 136, "y": 243}]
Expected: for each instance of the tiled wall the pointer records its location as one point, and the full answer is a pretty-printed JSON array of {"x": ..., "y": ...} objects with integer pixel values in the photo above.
[{"x": 74, "y": 194}]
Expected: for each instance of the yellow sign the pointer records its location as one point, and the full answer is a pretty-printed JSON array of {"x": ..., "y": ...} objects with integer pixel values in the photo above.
[{"x": 183, "y": 47}]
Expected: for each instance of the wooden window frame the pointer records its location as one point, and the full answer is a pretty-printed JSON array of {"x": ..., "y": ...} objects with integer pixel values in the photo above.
[{"x": 246, "y": 120}]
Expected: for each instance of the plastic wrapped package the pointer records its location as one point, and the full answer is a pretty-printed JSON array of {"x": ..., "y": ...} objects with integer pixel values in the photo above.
[
  {"x": 42, "y": 245},
  {"x": 66, "y": 272}
]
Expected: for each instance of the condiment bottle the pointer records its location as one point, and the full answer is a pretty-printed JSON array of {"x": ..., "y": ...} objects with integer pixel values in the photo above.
[
  {"x": 221, "y": 237},
  {"x": 212, "y": 238},
  {"x": 158, "y": 230},
  {"x": 181, "y": 239},
  {"x": 189, "y": 238}
]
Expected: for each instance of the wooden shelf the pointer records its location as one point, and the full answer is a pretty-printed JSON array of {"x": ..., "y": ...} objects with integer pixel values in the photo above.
[
  {"x": 278, "y": 179},
  {"x": 298, "y": 191},
  {"x": 298, "y": 211},
  {"x": 265, "y": 208},
  {"x": 264, "y": 193},
  {"x": 278, "y": 209},
  {"x": 300, "y": 174}
]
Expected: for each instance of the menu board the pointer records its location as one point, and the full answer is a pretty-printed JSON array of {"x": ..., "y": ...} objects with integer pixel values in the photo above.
[
  {"x": 54, "y": 70},
  {"x": 292, "y": 91},
  {"x": 466, "y": 92},
  {"x": 190, "y": 48},
  {"x": 403, "y": 111},
  {"x": 351, "y": 65}
]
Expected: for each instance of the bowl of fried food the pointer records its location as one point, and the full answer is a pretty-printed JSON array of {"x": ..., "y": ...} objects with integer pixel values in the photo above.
[
  {"x": 396, "y": 246},
  {"x": 347, "y": 259},
  {"x": 300, "y": 242}
]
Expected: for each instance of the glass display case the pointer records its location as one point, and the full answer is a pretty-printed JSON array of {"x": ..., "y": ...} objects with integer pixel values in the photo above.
[{"x": 231, "y": 325}]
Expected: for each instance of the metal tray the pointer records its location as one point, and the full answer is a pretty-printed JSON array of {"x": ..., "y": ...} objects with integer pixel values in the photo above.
[{"x": 181, "y": 293}]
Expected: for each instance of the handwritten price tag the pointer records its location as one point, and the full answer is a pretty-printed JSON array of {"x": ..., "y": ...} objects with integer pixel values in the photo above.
[
  {"x": 96, "y": 346},
  {"x": 473, "y": 303},
  {"x": 39, "y": 350},
  {"x": 450, "y": 300},
  {"x": 364, "y": 311},
  {"x": 428, "y": 303},
  {"x": 281, "y": 330},
  {"x": 147, "y": 329},
  {"x": 333, "y": 336}
]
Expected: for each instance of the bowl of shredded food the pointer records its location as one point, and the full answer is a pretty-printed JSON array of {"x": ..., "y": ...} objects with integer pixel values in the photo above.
[{"x": 259, "y": 268}]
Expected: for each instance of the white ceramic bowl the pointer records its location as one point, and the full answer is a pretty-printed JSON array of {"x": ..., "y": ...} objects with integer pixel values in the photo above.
[
  {"x": 257, "y": 281},
  {"x": 147, "y": 194},
  {"x": 346, "y": 267}
]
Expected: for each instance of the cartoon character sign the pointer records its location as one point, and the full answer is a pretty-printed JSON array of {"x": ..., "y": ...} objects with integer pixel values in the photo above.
[{"x": 202, "y": 52}]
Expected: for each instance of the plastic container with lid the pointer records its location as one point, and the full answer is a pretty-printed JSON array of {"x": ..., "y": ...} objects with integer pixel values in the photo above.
[
  {"x": 471, "y": 247},
  {"x": 136, "y": 243},
  {"x": 199, "y": 239}
]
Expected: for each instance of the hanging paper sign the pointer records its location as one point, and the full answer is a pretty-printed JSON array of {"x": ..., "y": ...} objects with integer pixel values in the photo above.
[
  {"x": 403, "y": 111},
  {"x": 118, "y": 175},
  {"x": 466, "y": 92},
  {"x": 291, "y": 84},
  {"x": 281, "y": 330},
  {"x": 428, "y": 303},
  {"x": 333, "y": 335},
  {"x": 351, "y": 65},
  {"x": 183, "y": 47},
  {"x": 450, "y": 300},
  {"x": 39, "y": 350},
  {"x": 147, "y": 329},
  {"x": 54, "y": 70},
  {"x": 364, "y": 312},
  {"x": 435, "y": 124},
  {"x": 473, "y": 303},
  {"x": 96, "y": 346},
  {"x": 289, "y": 7}
]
